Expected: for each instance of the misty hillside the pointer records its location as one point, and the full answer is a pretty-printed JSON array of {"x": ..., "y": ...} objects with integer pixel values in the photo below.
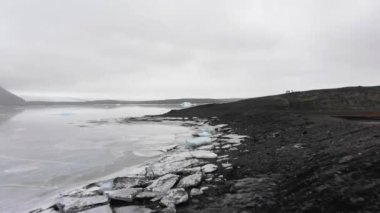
[
  {"x": 341, "y": 99},
  {"x": 9, "y": 99}
]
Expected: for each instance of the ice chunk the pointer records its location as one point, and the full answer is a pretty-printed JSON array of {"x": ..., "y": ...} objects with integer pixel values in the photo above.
[
  {"x": 203, "y": 154},
  {"x": 203, "y": 134},
  {"x": 209, "y": 168},
  {"x": 195, "y": 142}
]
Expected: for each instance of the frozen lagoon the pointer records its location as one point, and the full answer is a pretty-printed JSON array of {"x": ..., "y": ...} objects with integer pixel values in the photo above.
[{"x": 45, "y": 150}]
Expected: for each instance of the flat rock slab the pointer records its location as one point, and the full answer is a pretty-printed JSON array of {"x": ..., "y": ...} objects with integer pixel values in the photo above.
[
  {"x": 191, "y": 171},
  {"x": 165, "y": 167},
  {"x": 129, "y": 182},
  {"x": 84, "y": 192},
  {"x": 100, "y": 209},
  {"x": 132, "y": 209},
  {"x": 174, "y": 197},
  {"x": 127, "y": 194},
  {"x": 209, "y": 168},
  {"x": 203, "y": 154},
  {"x": 147, "y": 194},
  {"x": 191, "y": 180},
  {"x": 75, "y": 204},
  {"x": 164, "y": 183}
]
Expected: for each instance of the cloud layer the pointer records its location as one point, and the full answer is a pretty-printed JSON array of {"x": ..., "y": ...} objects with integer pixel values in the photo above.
[{"x": 152, "y": 49}]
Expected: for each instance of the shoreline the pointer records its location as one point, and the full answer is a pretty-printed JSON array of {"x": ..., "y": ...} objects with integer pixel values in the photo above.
[
  {"x": 297, "y": 161},
  {"x": 176, "y": 177}
]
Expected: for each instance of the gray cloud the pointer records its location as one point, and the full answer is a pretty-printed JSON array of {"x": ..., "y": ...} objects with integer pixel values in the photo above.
[{"x": 166, "y": 49}]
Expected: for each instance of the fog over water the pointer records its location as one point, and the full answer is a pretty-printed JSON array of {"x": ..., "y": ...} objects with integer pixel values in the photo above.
[{"x": 46, "y": 150}]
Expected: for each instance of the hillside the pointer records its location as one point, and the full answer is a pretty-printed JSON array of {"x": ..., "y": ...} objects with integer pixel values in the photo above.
[
  {"x": 9, "y": 99},
  {"x": 300, "y": 156},
  {"x": 332, "y": 100}
]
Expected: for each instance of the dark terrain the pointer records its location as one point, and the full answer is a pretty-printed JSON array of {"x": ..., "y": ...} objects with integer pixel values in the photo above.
[{"x": 315, "y": 151}]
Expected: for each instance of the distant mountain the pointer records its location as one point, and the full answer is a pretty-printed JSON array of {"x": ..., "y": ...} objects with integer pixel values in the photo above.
[
  {"x": 9, "y": 99},
  {"x": 197, "y": 101}
]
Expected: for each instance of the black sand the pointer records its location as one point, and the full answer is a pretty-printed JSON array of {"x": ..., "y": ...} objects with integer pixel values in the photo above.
[{"x": 315, "y": 151}]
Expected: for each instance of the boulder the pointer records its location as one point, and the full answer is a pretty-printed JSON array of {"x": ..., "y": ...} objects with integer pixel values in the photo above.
[
  {"x": 209, "y": 168},
  {"x": 174, "y": 197},
  {"x": 127, "y": 194},
  {"x": 99, "y": 209},
  {"x": 147, "y": 194},
  {"x": 195, "y": 192},
  {"x": 75, "y": 204},
  {"x": 191, "y": 171},
  {"x": 190, "y": 181},
  {"x": 346, "y": 159},
  {"x": 169, "y": 209},
  {"x": 129, "y": 182},
  {"x": 164, "y": 183},
  {"x": 132, "y": 209},
  {"x": 165, "y": 167}
]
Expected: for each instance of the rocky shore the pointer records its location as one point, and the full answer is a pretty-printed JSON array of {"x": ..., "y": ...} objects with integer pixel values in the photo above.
[
  {"x": 316, "y": 151},
  {"x": 179, "y": 176}
]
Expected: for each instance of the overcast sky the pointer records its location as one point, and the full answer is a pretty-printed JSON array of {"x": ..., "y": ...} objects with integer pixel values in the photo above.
[{"x": 152, "y": 49}]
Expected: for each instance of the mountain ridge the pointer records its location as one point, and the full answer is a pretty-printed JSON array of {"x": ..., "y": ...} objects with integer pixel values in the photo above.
[{"x": 9, "y": 99}]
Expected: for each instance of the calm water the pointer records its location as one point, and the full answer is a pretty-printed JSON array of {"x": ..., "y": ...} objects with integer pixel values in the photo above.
[{"x": 45, "y": 150}]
